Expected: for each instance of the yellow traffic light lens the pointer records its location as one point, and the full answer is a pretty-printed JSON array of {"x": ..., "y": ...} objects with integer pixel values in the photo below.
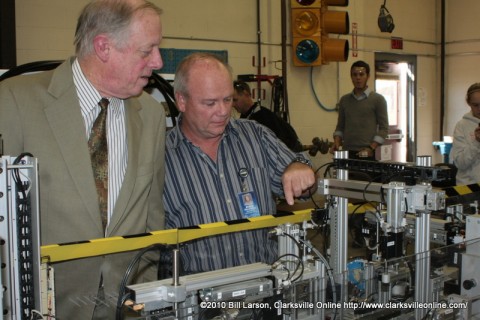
[
  {"x": 307, "y": 51},
  {"x": 305, "y": 2},
  {"x": 306, "y": 23}
]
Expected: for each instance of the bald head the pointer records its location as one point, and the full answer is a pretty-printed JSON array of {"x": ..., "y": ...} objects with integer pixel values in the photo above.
[{"x": 191, "y": 65}]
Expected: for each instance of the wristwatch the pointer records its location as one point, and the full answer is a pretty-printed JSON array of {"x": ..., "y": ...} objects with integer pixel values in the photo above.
[{"x": 302, "y": 160}]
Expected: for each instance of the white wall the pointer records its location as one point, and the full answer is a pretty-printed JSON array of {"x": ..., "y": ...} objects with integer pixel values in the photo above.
[
  {"x": 45, "y": 30},
  {"x": 462, "y": 57}
]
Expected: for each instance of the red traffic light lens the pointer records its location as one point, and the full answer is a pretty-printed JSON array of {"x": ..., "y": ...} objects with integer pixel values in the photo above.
[
  {"x": 307, "y": 51},
  {"x": 305, "y": 2}
]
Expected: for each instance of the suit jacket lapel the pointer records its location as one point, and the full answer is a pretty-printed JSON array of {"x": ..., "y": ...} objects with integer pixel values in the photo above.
[
  {"x": 134, "y": 134},
  {"x": 66, "y": 121}
]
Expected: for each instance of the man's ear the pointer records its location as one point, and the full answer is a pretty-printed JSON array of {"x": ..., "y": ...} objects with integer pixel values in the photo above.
[
  {"x": 102, "y": 46},
  {"x": 181, "y": 101}
]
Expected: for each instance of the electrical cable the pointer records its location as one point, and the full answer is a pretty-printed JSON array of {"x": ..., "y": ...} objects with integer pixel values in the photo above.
[
  {"x": 324, "y": 165},
  {"x": 310, "y": 195},
  {"x": 296, "y": 269},
  {"x": 300, "y": 260},
  {"x": 278, "y": 260},
  {"x": 350, "y": 219},
  {"x": 35, "y": 315},
  {"x": 294, "y": 240},
  {"x": 277, "y": 99},
  {"x": 320, "y": 104},
  {"x": 327, "y": 170},
  {"x": 16, "y": 173},
  {"x": 166, "y": 89},
  {"x": 122, "y": 296},
  {"x": 24, "y": 238},
  {"x": 329, "y": 270},
  {"x": 367, "y": 239},
  {"x": 31, "y": 67}
]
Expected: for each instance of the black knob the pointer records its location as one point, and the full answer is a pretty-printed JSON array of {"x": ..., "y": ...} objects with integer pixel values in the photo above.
[{"x": 469, "y": 284}]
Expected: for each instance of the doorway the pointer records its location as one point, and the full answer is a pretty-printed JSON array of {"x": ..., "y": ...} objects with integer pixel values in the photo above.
[{"x": 395, "y": 80}]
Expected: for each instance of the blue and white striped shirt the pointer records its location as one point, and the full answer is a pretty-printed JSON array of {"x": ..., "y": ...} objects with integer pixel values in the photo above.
[
  {"x": 116, "y": 131},
  {"x": 199, "y": 190}
]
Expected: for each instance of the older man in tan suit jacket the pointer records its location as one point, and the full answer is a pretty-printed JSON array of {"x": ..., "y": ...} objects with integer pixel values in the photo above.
[{"x": 41, "y": 114}]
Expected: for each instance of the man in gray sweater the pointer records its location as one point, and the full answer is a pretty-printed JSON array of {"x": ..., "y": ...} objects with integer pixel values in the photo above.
[
  {"x": 362, "y": 126},
  {"x": 362, "y": 117}
]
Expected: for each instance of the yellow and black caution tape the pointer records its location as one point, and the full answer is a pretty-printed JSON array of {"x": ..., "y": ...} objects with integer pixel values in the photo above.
[
  {"x": 103, "y": 246},
  {"x": 97, "y": 247},
  {"x": 462, "y": 190},
  {"x": 462, "y": 194}
]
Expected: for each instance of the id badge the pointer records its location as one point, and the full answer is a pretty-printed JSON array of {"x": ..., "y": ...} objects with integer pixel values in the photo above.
[{"x": 249, "y": 204}]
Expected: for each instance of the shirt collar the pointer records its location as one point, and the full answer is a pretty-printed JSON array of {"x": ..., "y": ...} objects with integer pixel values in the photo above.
[
  {"x": 88, "y": 95},
  {"x": 364, "y": 94},
  {"x": 254, "y": 108}
]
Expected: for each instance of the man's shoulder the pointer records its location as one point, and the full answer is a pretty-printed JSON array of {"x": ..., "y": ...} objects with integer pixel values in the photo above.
[
  {"x": 266, "y": 110},
  {"x": 376, "y": 95},
  {"x": 247, "y": 126},
  {"x": 152, "y": 109},
  {"x": 249, "y": 130},
  {"x": 266, "y": 114},
  {"x": 148, "y": 100},
  {"x": 242, "y": 123},
  {"x": 32, "y": 88},
  {"x": 347, "y": 97},
  {"x": 56, "y": 82},
  {"x": 173, "y": 138},
  {"x": 28, "y": 81}
]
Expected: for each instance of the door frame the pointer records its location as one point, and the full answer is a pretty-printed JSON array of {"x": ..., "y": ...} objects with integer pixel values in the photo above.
[{"x": 411, "y": 100}]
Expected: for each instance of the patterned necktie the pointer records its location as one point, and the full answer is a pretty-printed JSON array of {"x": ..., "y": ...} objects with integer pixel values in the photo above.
[{"x": 97, "y": 144}]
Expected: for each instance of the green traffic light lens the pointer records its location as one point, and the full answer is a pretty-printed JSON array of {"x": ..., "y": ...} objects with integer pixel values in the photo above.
[{"x": 307, "y": 51}]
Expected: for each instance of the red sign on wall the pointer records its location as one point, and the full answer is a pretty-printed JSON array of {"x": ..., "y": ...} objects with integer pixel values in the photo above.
[{"x": 397, "y": 43}]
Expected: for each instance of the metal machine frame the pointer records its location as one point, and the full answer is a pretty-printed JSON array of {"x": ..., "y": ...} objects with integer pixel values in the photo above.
[
  {"x": 288, "y": 289},
  {"x": 324, "y": 288},
  {"x": 20, "y": 238},
  {"x": 302, "y": 283}
]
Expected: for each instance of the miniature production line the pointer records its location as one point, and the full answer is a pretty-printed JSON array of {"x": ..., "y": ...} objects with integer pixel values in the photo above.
[{"x": 430, "y": 283}]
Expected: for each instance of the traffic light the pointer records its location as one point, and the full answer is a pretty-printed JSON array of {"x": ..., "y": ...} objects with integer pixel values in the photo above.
[
  {"x": 311, "y": 23},
  {"x": 306, "y": 32},
  {"x": 334, "y": 22}
]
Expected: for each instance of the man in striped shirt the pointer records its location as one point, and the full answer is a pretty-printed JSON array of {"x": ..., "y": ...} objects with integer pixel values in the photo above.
[{"x": 220, "y": 169}]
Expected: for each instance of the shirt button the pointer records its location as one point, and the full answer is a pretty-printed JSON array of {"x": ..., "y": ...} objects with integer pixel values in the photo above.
[
  {"x": 222, "y": 175},
  {"x": 229, "y": 201}
]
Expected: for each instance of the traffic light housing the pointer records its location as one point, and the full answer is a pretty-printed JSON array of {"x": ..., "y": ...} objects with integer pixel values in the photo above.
[
  {"x": 306, "y": 32},
  {"x": 311, "y": 22}
]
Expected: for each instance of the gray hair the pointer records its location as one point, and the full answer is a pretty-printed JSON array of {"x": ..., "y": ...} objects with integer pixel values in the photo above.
[
  {"x": 110, "y": 17},
  {"x": 182, "y": 74}
]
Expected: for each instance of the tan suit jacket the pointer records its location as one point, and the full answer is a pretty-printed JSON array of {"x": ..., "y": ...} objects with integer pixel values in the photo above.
[{"x": 40, "y": 114}]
